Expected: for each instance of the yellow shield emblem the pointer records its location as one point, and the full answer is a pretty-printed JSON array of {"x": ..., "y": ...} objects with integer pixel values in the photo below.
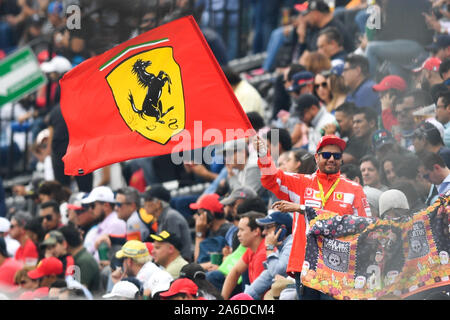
[{"x": 148, "y": 92}]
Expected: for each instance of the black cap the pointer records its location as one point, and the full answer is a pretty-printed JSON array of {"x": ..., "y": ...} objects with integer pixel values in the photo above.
[
  {"x": 192, "y": 271},
  {"x": 157, "y": 192},
  {"x": 312, "y": 5},
  {"x": 165, "y": 236},
  {"x": 304, "y": 102}
]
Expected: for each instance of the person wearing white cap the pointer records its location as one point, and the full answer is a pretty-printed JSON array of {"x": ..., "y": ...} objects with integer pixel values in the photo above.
[
  {"x": 123, "y": 290},
  {"x": 11, "y": 244},
  {"x": 101, "y": 200},
  {"x": 158, "y": 282},
  {"x": 393, "y": 204}
]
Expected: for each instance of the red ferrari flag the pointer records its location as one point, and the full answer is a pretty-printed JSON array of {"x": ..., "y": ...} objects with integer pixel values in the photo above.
[{"x": 145, "y": 96}]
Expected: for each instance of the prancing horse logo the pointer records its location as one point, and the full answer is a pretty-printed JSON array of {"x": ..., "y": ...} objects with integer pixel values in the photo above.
[
  {"x": 148, "y": 92},
  {"x": 152, "y": 105}
]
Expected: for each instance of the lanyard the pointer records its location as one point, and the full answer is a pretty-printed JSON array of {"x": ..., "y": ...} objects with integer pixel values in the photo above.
[{"x": 325, "y": 198}]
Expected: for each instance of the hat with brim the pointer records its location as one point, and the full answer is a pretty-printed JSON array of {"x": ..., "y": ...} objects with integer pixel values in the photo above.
[
  {"x": 165, "y": 236},
  {"x": 46, "y": 267},
  {"x": 132, "y": 249},
  {"x": 276, "y": 217},
  {"x": 329, "y": 140},
  {"x": 122, "y": 289},
  {"x": 183, "y": 285},
  {"x": 238, "y": 193},
  {"x": 52, "y": 238}
]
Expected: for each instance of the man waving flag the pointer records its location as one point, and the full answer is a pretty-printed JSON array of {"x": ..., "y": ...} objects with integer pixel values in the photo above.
[{"x": 144, "y": 96}]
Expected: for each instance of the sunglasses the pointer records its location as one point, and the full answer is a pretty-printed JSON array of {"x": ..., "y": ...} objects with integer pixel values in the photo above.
[
  {"x": 323, "y": 85},
  {"x": 327, "y": 155},
  {"x": 48, "y": 217},
  {"x": 119, "y": 204},
  {"x": 426, "y": 176}
]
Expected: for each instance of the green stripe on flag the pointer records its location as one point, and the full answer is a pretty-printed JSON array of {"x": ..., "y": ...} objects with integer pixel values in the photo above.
[{"x": 128, "y": 49}]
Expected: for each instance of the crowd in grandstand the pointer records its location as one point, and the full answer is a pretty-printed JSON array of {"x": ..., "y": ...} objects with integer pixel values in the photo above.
[{"x": 351, "y": 94}]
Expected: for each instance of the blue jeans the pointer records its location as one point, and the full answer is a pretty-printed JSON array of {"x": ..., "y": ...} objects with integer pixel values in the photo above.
[
  {"x": 217, "y": 278},
  {"x": 398, "y": 52},
  {"x": 276, "y": 41},
  {"x": 265, "y": 19}
]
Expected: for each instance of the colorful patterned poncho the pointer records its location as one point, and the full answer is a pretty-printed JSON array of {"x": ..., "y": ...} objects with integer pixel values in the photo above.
[{"x": 352, "y": 257}]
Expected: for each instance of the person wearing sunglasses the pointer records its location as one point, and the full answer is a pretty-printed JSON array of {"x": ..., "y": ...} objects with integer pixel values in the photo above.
[
  {"x": 324, "y": 189},
  {"x": 50, "y": 216}
]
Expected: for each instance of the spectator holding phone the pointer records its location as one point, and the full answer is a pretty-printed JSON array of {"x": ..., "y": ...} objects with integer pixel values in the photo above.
[{"x": 278, "y": 240}]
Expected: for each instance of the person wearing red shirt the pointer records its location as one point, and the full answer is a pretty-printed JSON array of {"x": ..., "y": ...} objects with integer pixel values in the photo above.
[
  {"x": 27, "y": 253},
  {"x": 250, "y": 235},
  {"x": 324, "y": 189},
  {"x": 8, "y": 267}
]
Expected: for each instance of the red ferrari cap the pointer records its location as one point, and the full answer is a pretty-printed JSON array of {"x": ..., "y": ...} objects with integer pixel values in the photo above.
[
  {"x": 331, "y": 139},
  {"x": 183, "y": 285}
]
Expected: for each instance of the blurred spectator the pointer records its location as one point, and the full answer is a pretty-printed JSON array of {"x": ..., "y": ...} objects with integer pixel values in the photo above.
[
  {"x": 440, "y": 47},
  {"x": 136, "y": 262},
  {"x": 47, "y": 272},
  {"x": 12, "y": 245},
  {"x": 210, "y": 228},
  {"x": 182, "y": 289},
  {"x": 123, "y": 290},
  {"x": 428, "y": 74},
  {"x": 401, "y": 36},
  {"x": 88, "y": 268},
  {"x": 223, "y": 17},
  {"x": 158, "y": 282},
  {"x": 314, "y": 116},
  {"x": 278, "y": 240},
  {"x": 369, "y": 167},
  {"x": 443, "y": 114},
  {"x": 302, "y": 83},
  {"x": 390, "y": 90},
  {"x": 351, "y": 171},
  {"x": 393, "y": 204},
  {"x": 166, "y": 252},
  {"x": 427, "y": 138},
  {"x": 383, "y": 143},
  {"x": 387, "y": 171},
  {"x": 415, "y": 202},
  {"x": 50, "y": 216},
  {"x": 436, "y": 172},
  {"x": 249, "y": 98},
  {"x": 22, "y": 279},
  {"x": 8, "y": 266},
  {"x": 322, "y": 90},
  {"x": 316, "y": 16},
  {"x": 315, "y": 62},
  {"x": 330, "y": 43},
  {"x": 27, "y": 253},
  {"x": 373, "y": 196},
  {"x": 196, "y": 273},
  {"x": 357, "y": 80},
  {"x": 55, "y": 245},
  {"x": 337, "y": 87},
  {"x": 102, "y": 202},
  {"x": 156, "y": 203},
  {"x": 250, "y": 236},
  {"x": 242, "y": 166},
  {"x": 354, "y": 150},
  {"x": 364, "y": 125},
  {"x": 128, "y": 204}
]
